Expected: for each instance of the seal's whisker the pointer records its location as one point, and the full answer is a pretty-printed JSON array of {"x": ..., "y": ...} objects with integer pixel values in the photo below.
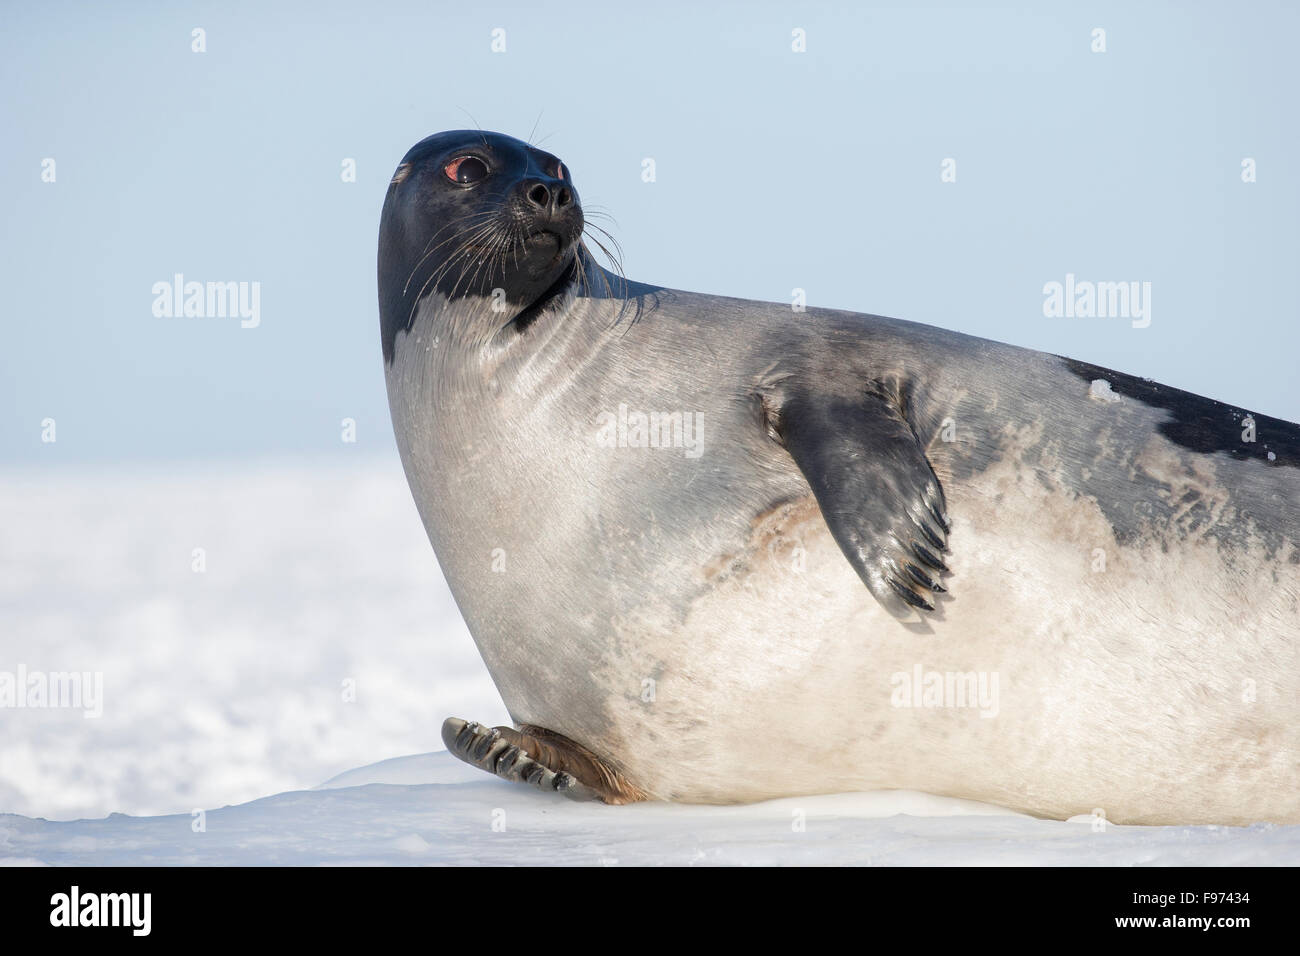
[
  {"x": 488, "y": 257},
  {"x": 615, "y": 261},
  {"x": 465, "y": 259},
  {"x": 428, "y": 251},
  {"x": 471, "y": 236},
  {"x": 481, "y": 133},
  {"x": 470, "y": 239},
  {"x": 442, "y": 270},
  {"x": 582, "y": 271}
]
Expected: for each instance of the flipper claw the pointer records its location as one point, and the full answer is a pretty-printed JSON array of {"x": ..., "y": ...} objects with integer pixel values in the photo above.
[{"x": 538, "y": 758}]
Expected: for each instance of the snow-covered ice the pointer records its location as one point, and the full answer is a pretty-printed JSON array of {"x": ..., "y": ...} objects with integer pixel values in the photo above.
[
  {"x": 432, "y": 809},
  {"x": 226, "y": 685}
]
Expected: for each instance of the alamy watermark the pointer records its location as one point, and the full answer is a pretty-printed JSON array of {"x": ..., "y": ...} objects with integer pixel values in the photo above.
[
  {"x": 132, "y": 911},
  {"x": 208, "y": 300},
  {"x": 632, "y": 429},
  {"x": 1084, "y": 299},
  {"x": 926, "y": 689},
  {"x": 78, "y": 690}
]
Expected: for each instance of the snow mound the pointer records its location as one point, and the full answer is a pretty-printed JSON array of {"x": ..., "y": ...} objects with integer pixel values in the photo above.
[{"x": 432, "y": 809}]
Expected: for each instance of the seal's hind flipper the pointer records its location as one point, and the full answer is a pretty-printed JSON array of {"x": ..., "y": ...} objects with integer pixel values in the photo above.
[
  {"x": 880, "y": 497},
  {"x": 537, "y": 757}
]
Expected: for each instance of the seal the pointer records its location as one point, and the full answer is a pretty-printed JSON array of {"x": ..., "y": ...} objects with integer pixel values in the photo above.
[{"x": 712, "y": 551}]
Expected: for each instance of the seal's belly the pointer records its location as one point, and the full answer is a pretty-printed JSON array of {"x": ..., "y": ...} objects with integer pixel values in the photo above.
[{"x": 1062, "y": 672}]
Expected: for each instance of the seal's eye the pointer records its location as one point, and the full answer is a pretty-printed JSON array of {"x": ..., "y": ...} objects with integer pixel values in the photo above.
[{"x": 466, "y": 169}]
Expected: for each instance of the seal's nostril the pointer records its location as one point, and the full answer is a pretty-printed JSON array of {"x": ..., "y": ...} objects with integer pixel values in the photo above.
[
  {"x": 539, "y": 195},
  {"x": 564, "y": 197}
]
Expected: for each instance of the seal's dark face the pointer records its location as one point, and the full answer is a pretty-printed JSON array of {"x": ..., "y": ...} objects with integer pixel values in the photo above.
[{"x": 476, "y": 214}]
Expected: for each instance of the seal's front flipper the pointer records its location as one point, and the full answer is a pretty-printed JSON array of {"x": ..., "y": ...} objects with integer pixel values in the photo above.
[
  {"x": 537, "y": 757},
  {"x": 880, "y": 497}
]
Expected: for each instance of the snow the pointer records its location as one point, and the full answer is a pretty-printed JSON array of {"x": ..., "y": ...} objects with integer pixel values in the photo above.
[
  {"x": 224, "y": 686},
  {"x": 227, "y": 685},
  {"x": 432, "y": 809},
  {"x": 1101, "y": 391}
]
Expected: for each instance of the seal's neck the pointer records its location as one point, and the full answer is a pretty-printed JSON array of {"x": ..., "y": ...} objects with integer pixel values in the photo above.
[{"x": 474, "y": 341}]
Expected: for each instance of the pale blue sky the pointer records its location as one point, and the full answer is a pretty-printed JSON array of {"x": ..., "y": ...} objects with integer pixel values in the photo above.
[{"x": 818, "y": 170}]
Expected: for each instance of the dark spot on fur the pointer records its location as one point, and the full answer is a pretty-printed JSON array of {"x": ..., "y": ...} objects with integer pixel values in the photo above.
[{"x": 1202, "y": 424}]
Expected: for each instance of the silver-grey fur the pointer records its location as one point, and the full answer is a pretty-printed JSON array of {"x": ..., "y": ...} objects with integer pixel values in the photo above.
[{"x": 1133, "y": 600}]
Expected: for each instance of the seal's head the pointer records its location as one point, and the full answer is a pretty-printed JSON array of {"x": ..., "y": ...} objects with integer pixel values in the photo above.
[{"x": 471, "y": 214}]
